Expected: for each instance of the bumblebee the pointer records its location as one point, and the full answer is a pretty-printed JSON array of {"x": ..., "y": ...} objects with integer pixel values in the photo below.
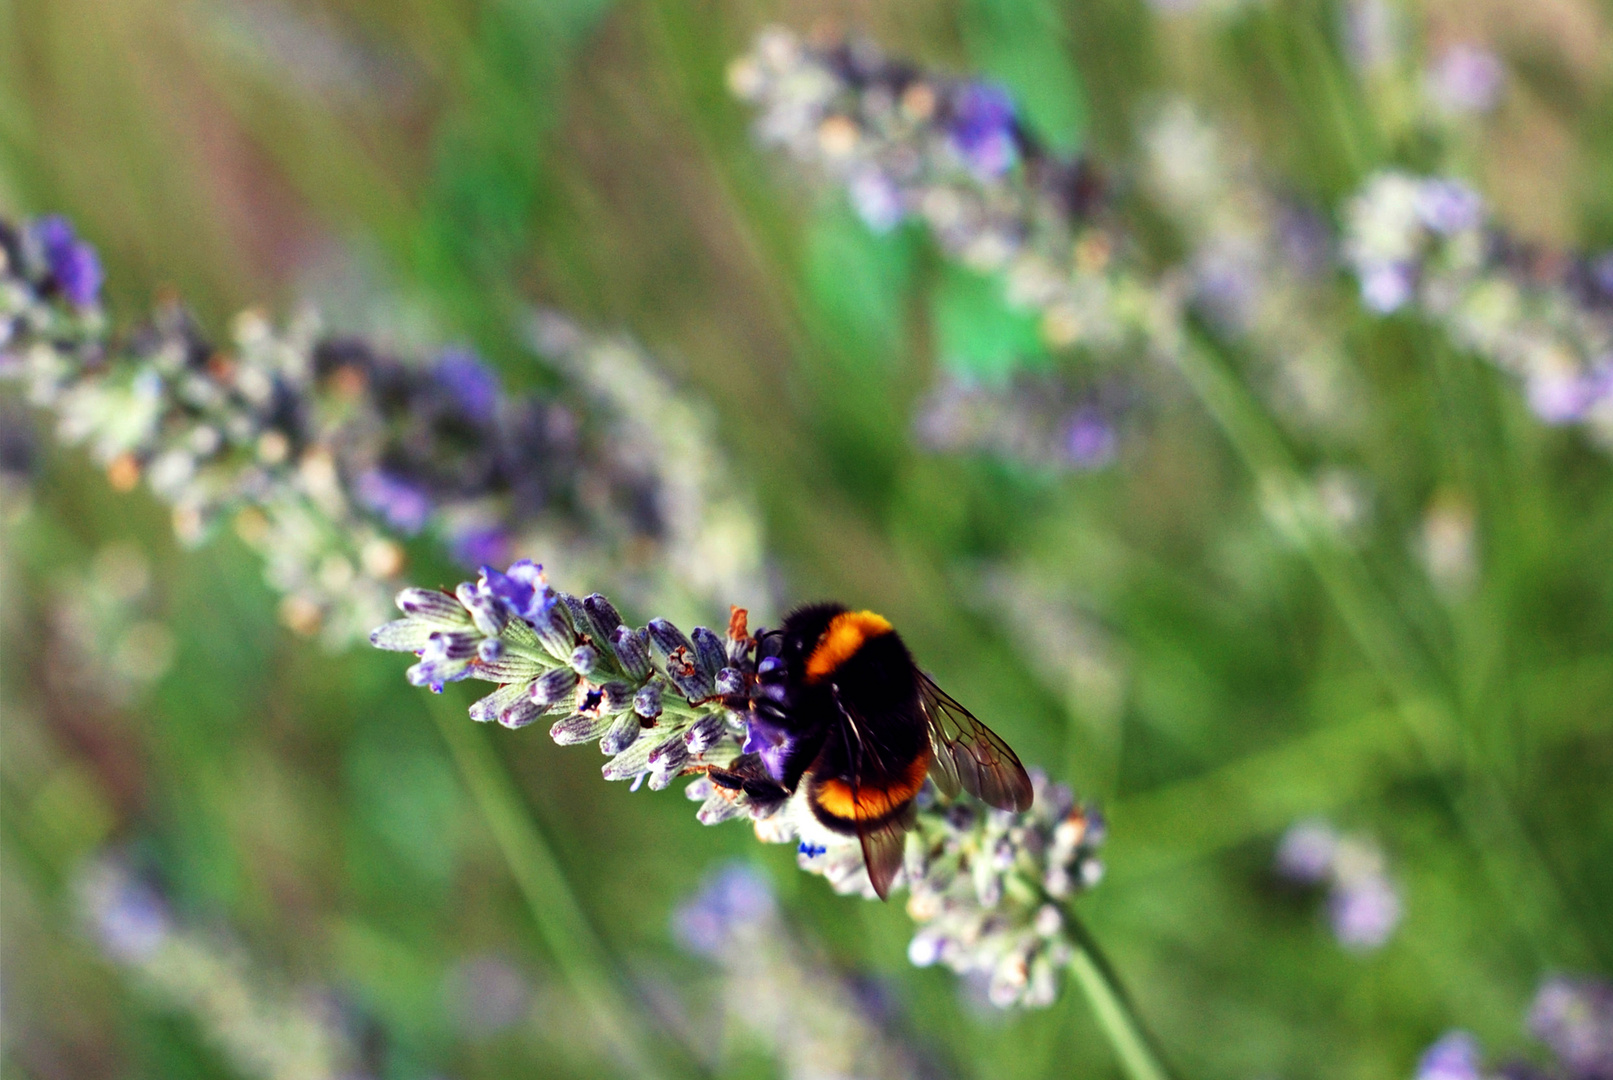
[{"x": 840, "y": 711}]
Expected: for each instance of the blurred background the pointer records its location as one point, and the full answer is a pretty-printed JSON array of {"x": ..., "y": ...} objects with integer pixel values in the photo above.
[{"x": 1354, "y": 800}]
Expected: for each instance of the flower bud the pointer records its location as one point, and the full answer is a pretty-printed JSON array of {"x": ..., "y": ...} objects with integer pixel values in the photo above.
[
  {"x": 615, "y": 697},
  {"x": 580, "y": 728},
  {"x": 624, "y": 732},
  {"x": 488, "y": 612},
  {"x": 521, "y": 713},
  {"x": 704, "y": 733},
  {"x": 668, "y": 639},
  {"x": 554, "y": 631},
  {"x": 708, "y": 652},
  {"x": 647, "y": 702},
  {"x": 494, "y": 705},
  {"x": 584, "y": 659},
  {"x": 445, "y": 658},
  {"x": 690, "y": 681},
  {"x": 403, "y": 635},
  {"x": 603, "y": 615},
  {"x": 730, "y": 681},
  {"x": 577, "y": 614},
  {"x": 667, "y": 760},
  {"x": 632, "y": 648},
  {"x": 433, "y": 606},
  {"x": 553, "y": 686}
]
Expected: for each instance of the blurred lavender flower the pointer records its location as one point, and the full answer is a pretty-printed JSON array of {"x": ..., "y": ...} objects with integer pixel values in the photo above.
[
  {"x": 263, "y": 1027},
  {"x": 665, "y": 446},
  {"x": 1574, "y": 1017},
  {"x": 1426, "y": 244},
  {"x": 1258, "y": 266},
  {"x": 1036, "y": 420},
  {"x": 74, "y": 266},
  {"x": 1305, "y": 852},
  {"x": 1454, "y": 1057},
  {"x": 813, "y": 1020},
  {"x": 486, "y": 994},
  {"x": 1373, "y": 35},
  {"x": 950, "y": 153},
  {"x": 982, "y": 129},
  {"x": 1466, "y": 79},
  {"x": 986, "y": 887},
  {"x": 1363, "y": 905},
  {"x": 324, "y": 450}
]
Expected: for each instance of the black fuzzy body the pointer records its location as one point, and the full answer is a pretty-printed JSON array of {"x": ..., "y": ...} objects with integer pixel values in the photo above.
[{"x": 861, "y": 723}]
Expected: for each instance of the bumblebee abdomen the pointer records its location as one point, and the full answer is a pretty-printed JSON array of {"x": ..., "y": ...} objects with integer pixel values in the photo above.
[{"x": 851, "y": 804}]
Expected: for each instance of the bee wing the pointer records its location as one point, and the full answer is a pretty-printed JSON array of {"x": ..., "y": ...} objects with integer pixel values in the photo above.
[
  {"x": 969, "y": 755},
  {"x": 883, "y": 848}
]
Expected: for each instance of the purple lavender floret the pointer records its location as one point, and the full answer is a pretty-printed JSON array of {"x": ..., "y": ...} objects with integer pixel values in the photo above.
[
  {"x": 982, "y": 128},
  {"x": 1387, "y": 287},
  {"x": 129, "y": 917},
  {"x": 1449, "y": 206},
  {"x": 735, "y": 898},
  {"x": 523, "y": 588},
  {"x": 74, "y": 265},
  {"x": 1574, "y": 1017},
  {"x": 1305, "y": 853},
  {"x": 1090, "y": 441},
  {"x": 472, "y": 384},
  {"x": 401, "y": 504},
  {"x": 1454, "y": 1057},
  {"x": 1601, "y": 274},
  {"x": 1566, "y": 399},
  {"x": 479, "y": 546},
  {"x": 446, "y": 658},
  {"x": 772, "y": 742},
  {"x": 1364, "y": 913}
]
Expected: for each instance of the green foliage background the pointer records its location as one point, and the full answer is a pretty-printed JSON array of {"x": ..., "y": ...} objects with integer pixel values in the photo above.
[{"x": 479, "y": 155}]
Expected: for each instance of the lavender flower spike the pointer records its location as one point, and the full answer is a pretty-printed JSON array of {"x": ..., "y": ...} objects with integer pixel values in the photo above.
[
  {"x": 988, "y": 889},
  {"x": 324, "y": 451}
]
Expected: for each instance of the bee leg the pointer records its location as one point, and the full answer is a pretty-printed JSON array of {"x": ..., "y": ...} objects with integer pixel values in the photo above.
[{"x": 749, "y": 775}]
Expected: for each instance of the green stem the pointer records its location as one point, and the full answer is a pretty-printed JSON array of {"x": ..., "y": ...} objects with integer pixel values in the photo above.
[
  {"x": 1112, "y": 1006},
  {"x": 571, "y": 940},
  {"x": 1519, "y": 874}
]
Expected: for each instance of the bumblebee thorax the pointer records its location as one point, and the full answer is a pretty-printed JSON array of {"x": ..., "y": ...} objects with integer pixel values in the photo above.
[{"x": 845, "y": 635}]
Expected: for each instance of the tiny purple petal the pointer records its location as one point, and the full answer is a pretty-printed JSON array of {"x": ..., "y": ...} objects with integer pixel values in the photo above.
[
  {"x": 771, "y": 742},
  {"x": 1305, "y": 853},
  {"x": 480, "y": 546},
  {"x": 876, "y": 199},
  {"x": 734, "y": 899},
  {"x": 1467, "y": 79},
  {"x": 1364, "y": 913},
  {"x": 1575, "y": 1018},
  {"x": 473, "y": 385},
  {"x": 982, "y": 128},
  {"x": 401, "y": 504},
  {"x": 1449, "y": 206},
  {"x": 523, "y": 588},
  {"x": 73, "y": 264},
  {"x": 1454, "y": 1057},
  {"x": 1089, "y": 441},
  {"x": 1386, "y": 287}
]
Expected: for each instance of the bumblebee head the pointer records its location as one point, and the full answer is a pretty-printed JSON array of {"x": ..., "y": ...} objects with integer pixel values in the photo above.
[
  {"x": 816, "y": 640},
  {"x": 803, "y": 630}
]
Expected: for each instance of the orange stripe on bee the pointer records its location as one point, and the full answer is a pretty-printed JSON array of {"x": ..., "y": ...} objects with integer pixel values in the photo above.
[
  {"x": 872, "y": 801},
  {"x": 845, "y": 635}
]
